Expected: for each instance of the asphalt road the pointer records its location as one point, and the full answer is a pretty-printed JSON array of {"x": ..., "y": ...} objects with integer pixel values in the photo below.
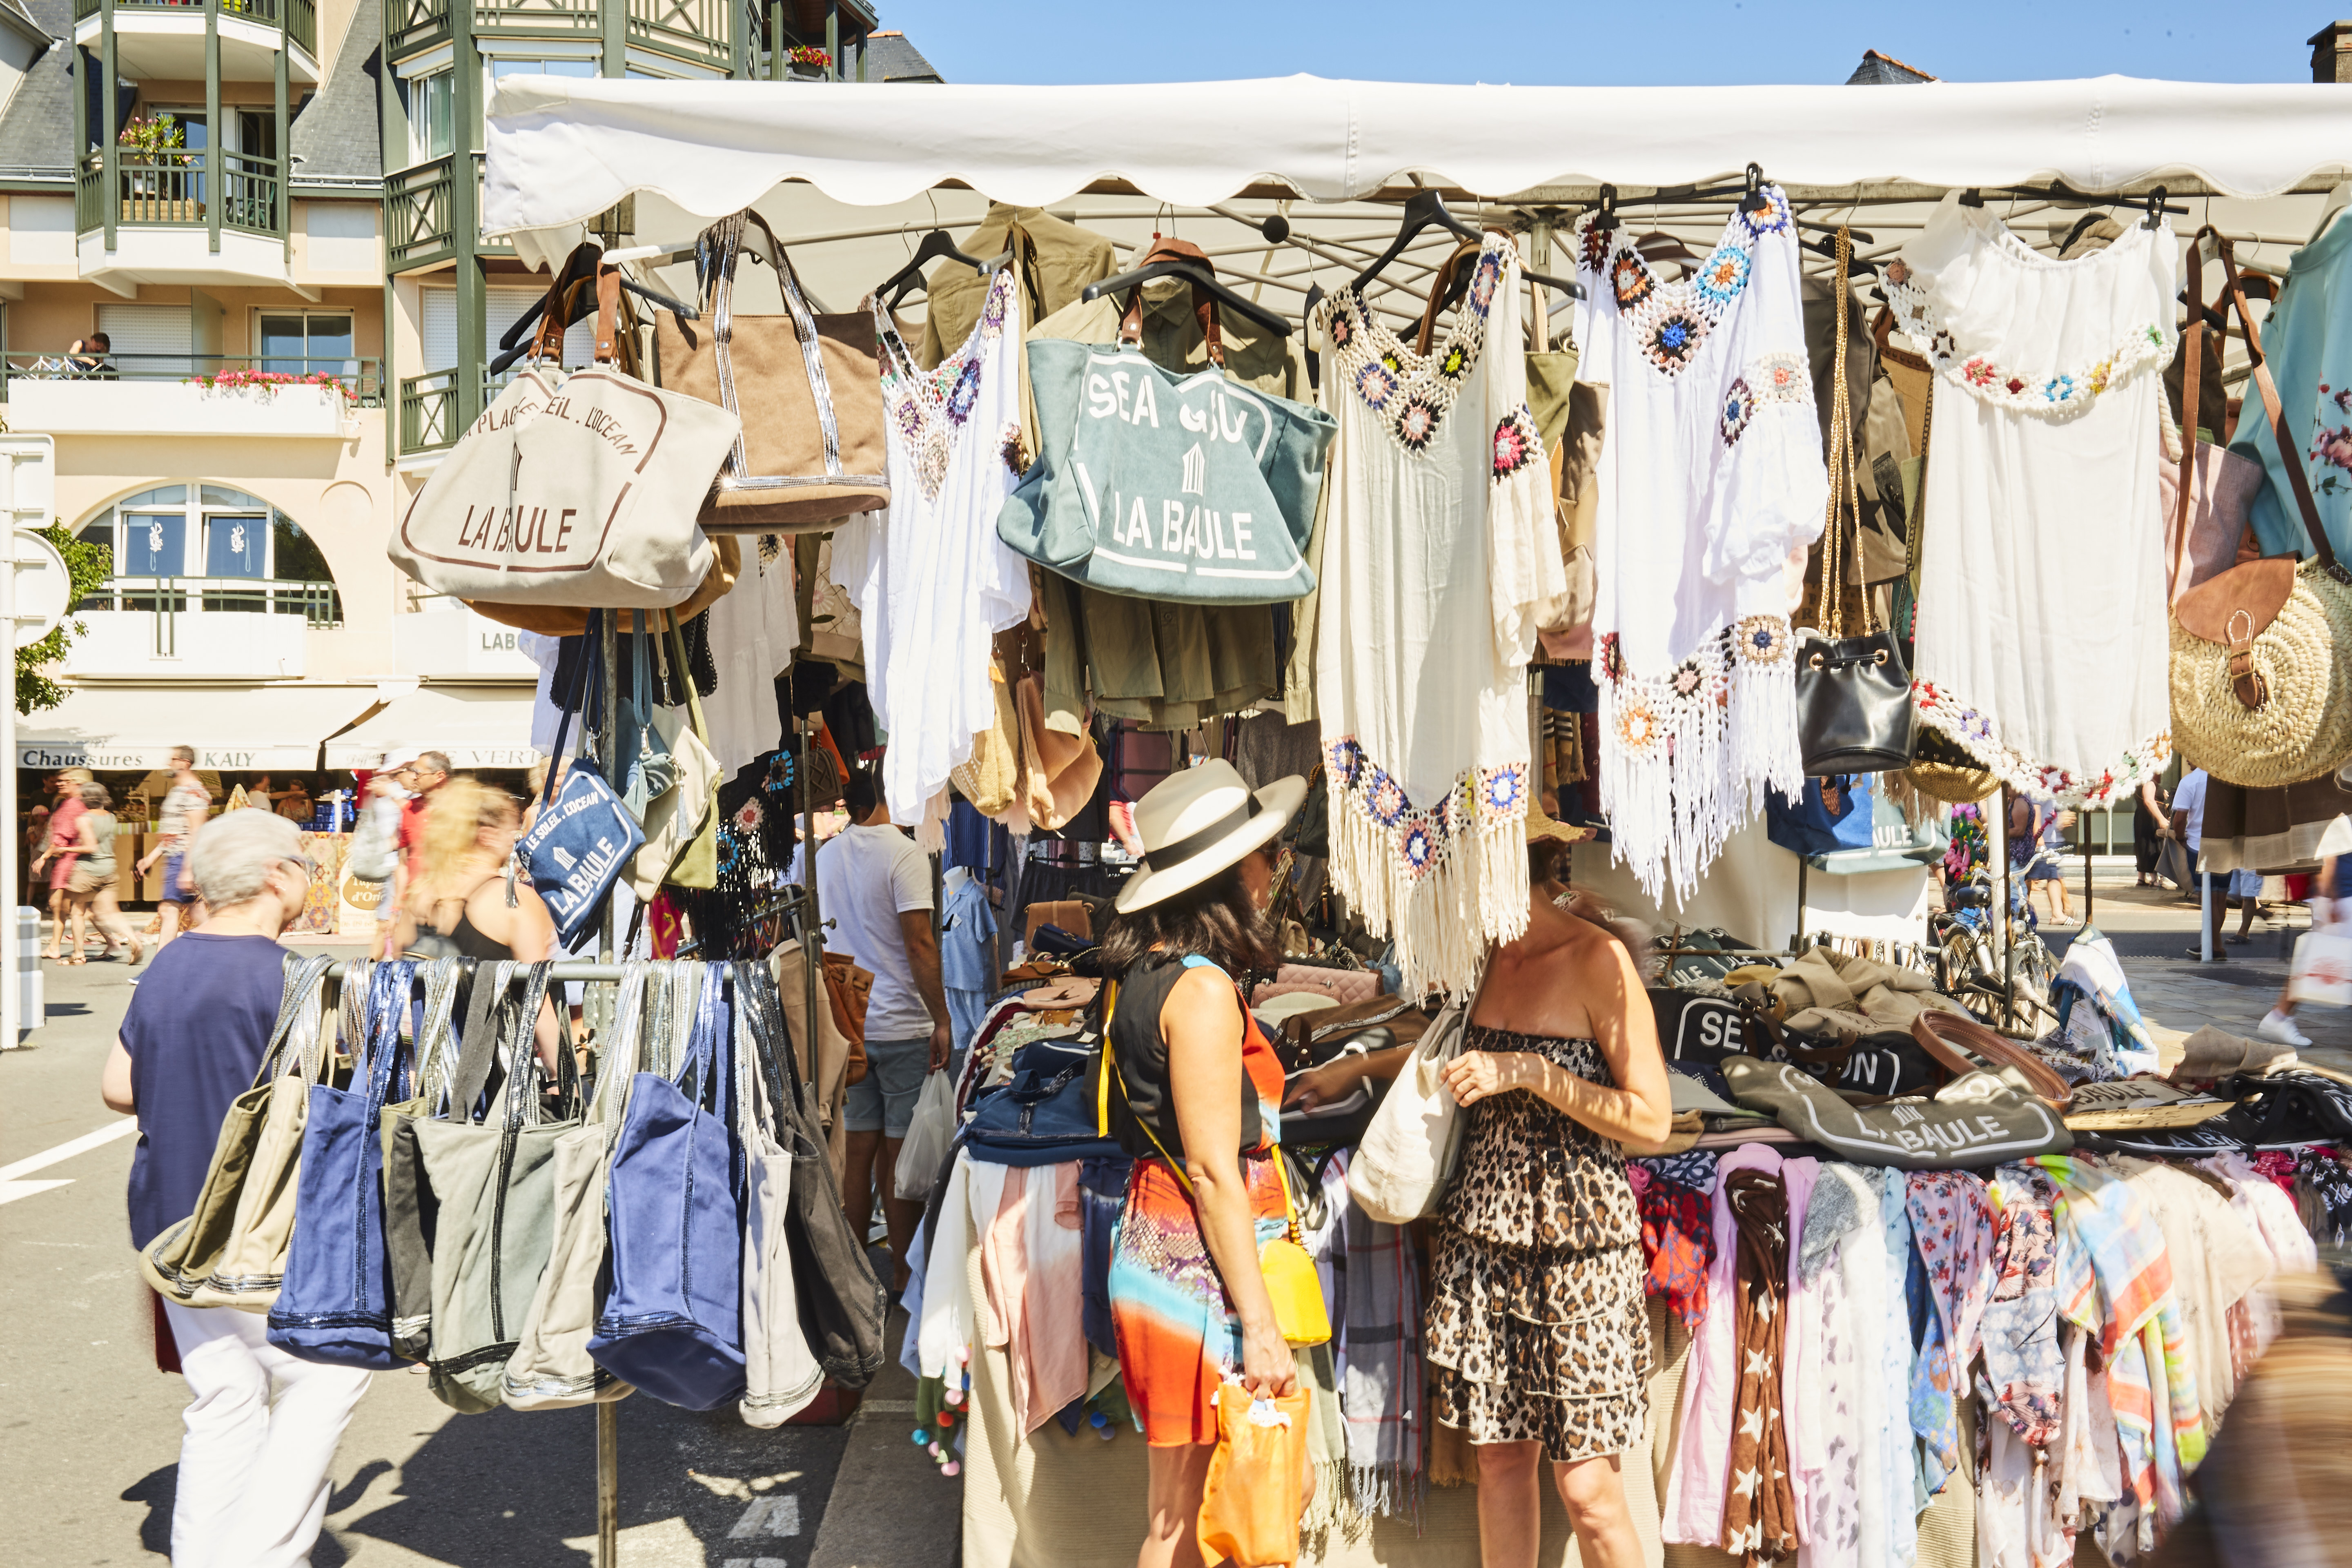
[{"x": 90, "y": 1430}]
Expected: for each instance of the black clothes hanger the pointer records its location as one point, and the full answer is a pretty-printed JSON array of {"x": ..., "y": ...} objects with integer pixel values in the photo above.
[
  {"x": 932, "y": 248},
  {"x": 581, "y": 264},
  {"x": 1201, "y": 278},
  {"x": 1426, "y": 209}
]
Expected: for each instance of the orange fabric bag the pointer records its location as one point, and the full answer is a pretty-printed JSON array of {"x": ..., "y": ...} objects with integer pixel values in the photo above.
[{"x": 1257, "y": 1478}]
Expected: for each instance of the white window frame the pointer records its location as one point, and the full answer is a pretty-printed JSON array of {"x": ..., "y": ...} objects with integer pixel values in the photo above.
[{"x": 349, "y": 364}]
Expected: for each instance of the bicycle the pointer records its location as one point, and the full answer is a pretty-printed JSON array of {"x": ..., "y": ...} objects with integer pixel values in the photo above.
[{"x": 1968, "y": 970}]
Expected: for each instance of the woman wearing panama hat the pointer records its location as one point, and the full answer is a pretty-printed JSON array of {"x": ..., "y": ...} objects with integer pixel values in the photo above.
[{"x": 1190, "y": 1079}]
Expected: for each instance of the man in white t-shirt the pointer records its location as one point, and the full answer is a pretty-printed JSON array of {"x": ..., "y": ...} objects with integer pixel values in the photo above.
[{"x": 875, "y": 889}]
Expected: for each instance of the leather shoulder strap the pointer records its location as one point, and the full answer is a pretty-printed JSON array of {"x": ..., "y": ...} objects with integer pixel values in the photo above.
[{"x": 2290, "y": 450}]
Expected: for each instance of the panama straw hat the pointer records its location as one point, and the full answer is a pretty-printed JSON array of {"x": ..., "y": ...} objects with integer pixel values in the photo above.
[
  {"x": 1542, "y": 825},
  {"x": 1196, "y": 823}
]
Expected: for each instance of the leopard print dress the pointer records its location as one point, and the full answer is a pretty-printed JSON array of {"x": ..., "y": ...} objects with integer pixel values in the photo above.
[{"x": 1536, "y": 1328}]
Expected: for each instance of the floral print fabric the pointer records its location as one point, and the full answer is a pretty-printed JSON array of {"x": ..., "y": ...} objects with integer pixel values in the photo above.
[
  {"x": 2024, "y": 1370},
  {"x": 1677, "y": 1230}
]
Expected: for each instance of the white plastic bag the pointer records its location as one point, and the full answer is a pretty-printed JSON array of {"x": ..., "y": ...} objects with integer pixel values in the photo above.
[
  {"x": 2323, "y": 969},
  {"x": 927, "y": 1137}
]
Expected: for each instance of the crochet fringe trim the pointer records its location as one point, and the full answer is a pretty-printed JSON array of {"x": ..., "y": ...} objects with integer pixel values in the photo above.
[
  {"x": 1973, "y": 732},
  {"x": 1448, "y": 880},
  {"x": 1685, "y": 758}
]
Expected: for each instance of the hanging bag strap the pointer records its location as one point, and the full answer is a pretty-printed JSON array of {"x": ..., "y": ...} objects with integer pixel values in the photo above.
[
  {"x": 1204, "y": 304},
  {"x": 686, "y": 677},
  {"x": 1845, "y": 480},
  {"x": 591, "y": 650},
  {"x": 1468, "y": 251},
  {"x": 2290, "y": 450}
]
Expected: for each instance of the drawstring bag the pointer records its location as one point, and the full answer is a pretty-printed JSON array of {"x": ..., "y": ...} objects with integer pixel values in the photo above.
[
  {"x": 842, "y": 1307},
  {"x": 493, "y": 1185},
  {"x": 231, "y": 1251},
  {"x": 1256, "y": 1487},
  {"x": 584, "y": 836},
  {"x": 551, "y": 1368},
  {"x": 335, "y": 1307},
  {"x": 780, "y": 1371},
  {"x": 672, "y": 1324}
]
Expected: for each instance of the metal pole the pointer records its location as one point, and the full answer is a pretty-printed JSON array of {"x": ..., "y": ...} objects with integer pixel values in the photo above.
[
  {"x": 1797, "y": 942},
  {"x": 608, "y": 1418},
  {"x": 2087, "y": 894},
  {"x": 812, "y": 927}
]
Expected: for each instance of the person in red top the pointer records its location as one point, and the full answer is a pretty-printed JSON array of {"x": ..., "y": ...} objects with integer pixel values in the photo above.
[
  {"x": 60, "y": 857},
  {"x": 419, "y": 773}
]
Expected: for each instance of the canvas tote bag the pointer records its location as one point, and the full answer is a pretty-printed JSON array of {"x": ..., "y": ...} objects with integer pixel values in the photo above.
[
  {"x": 681, "y": 825},
  {"x": 572, "y": 490},
  {"x": 1190, "y": 488},
  {"x": 810, "y": 448},
  {"x": 551, "y": 1368},
  {"x": 780, "y": 1373},
  {"x": 494, "y": 1187},
  {"x": 231, "y": 1251},
  {"x": 2262, "y": 654},
  {"x": 1406, "y": 1160}
]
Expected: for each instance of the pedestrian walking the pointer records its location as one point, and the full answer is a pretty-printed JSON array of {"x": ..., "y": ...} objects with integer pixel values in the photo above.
[
  {"x": 875, "y": 886},
  {"x": 2150, "y": 810},
  {"x": 261, "y": 1428},
  {"x": 467, "y": 899},
  {"x": 59, "y": 856},
  {"x": 187, "y": 805},
  {"x": 90, "y": 895}
]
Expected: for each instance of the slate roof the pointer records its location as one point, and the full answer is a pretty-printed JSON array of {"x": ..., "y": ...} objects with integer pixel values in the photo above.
[
  {"x": 1884, "y": 70},
  {"x": 36, "y": 132},
  {"x": 890, "y": 57},
  {"x": 337, "y": 135}
]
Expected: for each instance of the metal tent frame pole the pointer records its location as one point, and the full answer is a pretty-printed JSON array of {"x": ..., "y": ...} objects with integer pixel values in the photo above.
[{"x": 608, "y": 1411}]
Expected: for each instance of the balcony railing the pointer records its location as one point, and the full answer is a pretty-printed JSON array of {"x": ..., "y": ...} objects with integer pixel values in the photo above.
[
  {"x": 411, "y": 27},
  {"x": 319, "y": 604},
  {"x": 169, "y": 190},
  {"x": 693, "y": 29},
  {"x": 536, "y": 18},
  {"x": 297, "y": 19},
  {"x": 417, "y": 221},
  {"x": 362, "y": 378},
  {"x": 428, "y": 407}
]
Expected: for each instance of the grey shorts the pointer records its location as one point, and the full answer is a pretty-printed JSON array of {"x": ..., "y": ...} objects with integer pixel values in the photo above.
[{"x": 884, "y": 1100}]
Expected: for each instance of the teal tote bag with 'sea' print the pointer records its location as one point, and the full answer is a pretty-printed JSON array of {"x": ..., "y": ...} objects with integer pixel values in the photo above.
[{"x": 1190, "y": 488}]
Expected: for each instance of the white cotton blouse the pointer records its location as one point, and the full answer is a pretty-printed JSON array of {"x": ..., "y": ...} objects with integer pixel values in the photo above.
[
  {"x": 1710, "y": 477},
  {"x": 754, "y": 627},
  {"x": 931, "y": 581},
  {"x": 2042, "y": 642},
  {"x": 1439, "y": 549}
]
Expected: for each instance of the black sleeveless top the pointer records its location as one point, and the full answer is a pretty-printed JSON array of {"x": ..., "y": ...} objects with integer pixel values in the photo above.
[{"x": 1136, "y": 1096}]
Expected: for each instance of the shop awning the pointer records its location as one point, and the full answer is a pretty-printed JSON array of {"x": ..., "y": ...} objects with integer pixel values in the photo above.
[
  {"x": 477, "y": 726},
  {"x": 231, "y": 728},
  {"x": 563, "y": 149}
]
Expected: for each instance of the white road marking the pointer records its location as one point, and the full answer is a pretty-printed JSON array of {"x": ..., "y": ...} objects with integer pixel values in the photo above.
[
  {"x": 11, "y": 1191},
  {"x": 81, "y": 1145},
  {"x": 770, "y": 1515},
  {"x": 757, "y": 1562}
]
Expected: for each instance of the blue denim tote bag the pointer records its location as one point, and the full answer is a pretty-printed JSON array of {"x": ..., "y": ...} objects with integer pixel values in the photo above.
[
  {"x": 336, "y": 1304},
  {"x": 672, "y": 1324},
  {"x": 584, "y": 837}
]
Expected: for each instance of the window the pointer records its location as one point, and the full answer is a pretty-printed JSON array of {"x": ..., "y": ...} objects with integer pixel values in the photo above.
[
  {"x": 250, "y": 558},
  {"x": 256, "y": 132},
  {"x": 430, "y": 103},
  {"x": 502, "y": 306},
  {"x": 303, "y": 342},
  {"x": 151, "y": 342}
]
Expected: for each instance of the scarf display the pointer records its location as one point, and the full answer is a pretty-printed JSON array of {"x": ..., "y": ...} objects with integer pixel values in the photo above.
[
  {"x": 1381, "y": 1381},
  {"x": 2024, "y": 1369},
  {"x": 1676, "y": 1193},
  {"x": 1759, "y": 1510}
]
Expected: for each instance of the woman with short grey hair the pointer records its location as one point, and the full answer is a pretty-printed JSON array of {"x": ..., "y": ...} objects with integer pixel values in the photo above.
[{"x": 262, "y": 1428}]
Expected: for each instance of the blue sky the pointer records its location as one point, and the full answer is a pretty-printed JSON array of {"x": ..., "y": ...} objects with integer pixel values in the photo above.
[{"x": 1682, "y": 42}]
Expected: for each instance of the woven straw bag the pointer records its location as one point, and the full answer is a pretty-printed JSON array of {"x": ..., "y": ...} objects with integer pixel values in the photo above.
[
  {"x": 1941, "y": 771},
  {"x": 2262, "y": 654}
]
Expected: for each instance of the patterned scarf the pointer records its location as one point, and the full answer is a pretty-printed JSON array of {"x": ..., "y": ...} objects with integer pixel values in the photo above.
[
  {"x": 1678, "y": 1229},
  {"x": 2024, "y": 1372},
  {"x": 1380, "y": 1384},
  {"x": 2323, "y": 1195},
  {"x": 1759, "y": 1508}
]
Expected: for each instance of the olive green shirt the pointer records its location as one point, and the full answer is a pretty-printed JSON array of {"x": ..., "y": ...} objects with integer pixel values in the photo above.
[{"x": 1067, "y": 258}]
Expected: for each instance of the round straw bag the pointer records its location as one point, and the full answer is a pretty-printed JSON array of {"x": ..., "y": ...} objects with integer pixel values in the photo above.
[
  {"x": 2262, "y": 654},
  {"x": 1941, "y": 771}
]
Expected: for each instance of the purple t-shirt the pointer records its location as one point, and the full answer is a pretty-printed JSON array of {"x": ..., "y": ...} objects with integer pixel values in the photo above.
[{"x": 197, "y": 1025}]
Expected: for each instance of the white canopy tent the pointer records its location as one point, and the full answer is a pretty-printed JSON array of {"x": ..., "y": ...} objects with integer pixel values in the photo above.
[
  {"x": 562, "y": 150},
  {"x": 473, "y": 726}
]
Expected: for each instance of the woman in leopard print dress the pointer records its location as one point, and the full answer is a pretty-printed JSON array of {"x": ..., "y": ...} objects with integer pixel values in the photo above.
[{"x": 1537, "y": 1334}]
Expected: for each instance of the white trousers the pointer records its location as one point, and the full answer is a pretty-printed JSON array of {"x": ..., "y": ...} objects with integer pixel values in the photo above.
[{"x": 261, "y": 1437}]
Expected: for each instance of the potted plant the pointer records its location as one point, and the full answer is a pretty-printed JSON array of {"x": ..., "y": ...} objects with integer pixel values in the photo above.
[
  {"x": 808, "y": 62},
  {"x": 156, "y": 185}
]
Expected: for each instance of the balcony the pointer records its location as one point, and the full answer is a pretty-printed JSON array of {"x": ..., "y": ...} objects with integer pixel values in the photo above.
[
  {"x": 428, "y": 408},
  {"x": 420, "y": 219},
  {"x": 153, "y": 222},
  {"x": 213, "y": 627},
  {"x": 701, "y": 31},
  {"x": 164, "y": 40},
  {"x": 167, "y": 395}
]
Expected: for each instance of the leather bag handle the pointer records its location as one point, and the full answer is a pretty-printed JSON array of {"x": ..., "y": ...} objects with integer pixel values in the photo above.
[
  {"x": 2297, "y": 479},
  {"x": 1204, "y": 304},
  {"x": 2191, "y": 385},
  {"x": 1954, "y": 1041},
  {"x": 1467, "y": 250}
]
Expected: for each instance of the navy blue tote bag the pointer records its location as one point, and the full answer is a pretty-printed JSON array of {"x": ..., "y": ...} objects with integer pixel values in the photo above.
[
  {"x": 672, "y": 1324},
  {"x": 335, "y": 1306},
  {"x": 584, "y": 837}
]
